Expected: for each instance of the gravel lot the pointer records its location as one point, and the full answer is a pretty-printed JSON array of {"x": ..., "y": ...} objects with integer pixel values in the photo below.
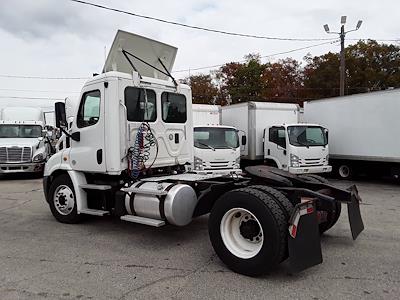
[{"x": 104, "y": 258}]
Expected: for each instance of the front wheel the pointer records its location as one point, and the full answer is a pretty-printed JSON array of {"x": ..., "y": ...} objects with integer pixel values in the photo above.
[
  {"x": 345, "y": 171},
  {"x": 248, "y": 231},
  {"x": 62, "y": 200}
]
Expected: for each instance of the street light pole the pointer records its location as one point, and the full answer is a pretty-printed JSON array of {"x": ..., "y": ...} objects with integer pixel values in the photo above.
[
  {"x": 342, "y": 61},
  {"x": 342, "y": 35}
]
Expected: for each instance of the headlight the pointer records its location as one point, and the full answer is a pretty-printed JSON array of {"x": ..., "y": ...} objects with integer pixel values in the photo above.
[
  {"x": 38, "y": 157},
  {"x": 237, "y": 163},
  {"x": 294, "y": 161},
  {"x": 198, "y": 163}
]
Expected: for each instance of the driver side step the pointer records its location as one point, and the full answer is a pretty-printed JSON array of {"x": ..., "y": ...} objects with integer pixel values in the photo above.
[
  {"x": 94, "y": 212},
  {"x": 142, "y": 220}
]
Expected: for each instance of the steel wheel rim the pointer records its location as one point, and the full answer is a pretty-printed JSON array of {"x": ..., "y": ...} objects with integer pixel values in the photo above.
[
  {"x": 344, "y": 171},
  {"x": 231, "y": 229},
  {"x": 64, "y": 200}
]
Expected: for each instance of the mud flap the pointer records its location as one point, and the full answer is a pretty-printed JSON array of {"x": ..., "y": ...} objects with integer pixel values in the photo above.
[
  {"x": 353, "y": 209},
  {"x": 304, "y": 238}
]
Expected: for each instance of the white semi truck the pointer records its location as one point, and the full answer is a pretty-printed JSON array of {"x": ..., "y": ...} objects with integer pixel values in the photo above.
[
  {"x": 130, "y": 141},
  {"x": 363, "y": 132},
  {"x": 216, "y": 147},
  {"x": 23, "y": 143},
  {"x": 276, "y": 137}
]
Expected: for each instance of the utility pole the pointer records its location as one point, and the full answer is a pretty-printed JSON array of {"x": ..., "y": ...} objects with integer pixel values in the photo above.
[{"x": 342, "y": 35}]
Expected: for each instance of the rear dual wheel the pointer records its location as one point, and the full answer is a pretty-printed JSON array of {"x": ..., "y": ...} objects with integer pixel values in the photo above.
[
  {"x": 330, "y": 215},
  {"x": 248, "y": 231}
]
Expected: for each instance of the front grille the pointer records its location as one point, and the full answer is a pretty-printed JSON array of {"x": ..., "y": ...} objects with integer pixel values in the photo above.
[{"x": 15, "y": 154}]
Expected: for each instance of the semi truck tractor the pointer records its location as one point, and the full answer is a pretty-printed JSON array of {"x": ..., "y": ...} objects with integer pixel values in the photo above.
[
  {"x": 130, "y": 142},
  {"x": 276, "y": 138},
  {"x": 216, "y": 147},
  {"x": 363, "y": 132},
  {"x": 23, "y": 143}
]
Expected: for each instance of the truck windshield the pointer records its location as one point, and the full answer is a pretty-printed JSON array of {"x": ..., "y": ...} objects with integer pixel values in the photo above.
[
  {"x": 215, "y": 138},
  {"x": 20, "y": 131},
  {"x": 305, "y": 136}
]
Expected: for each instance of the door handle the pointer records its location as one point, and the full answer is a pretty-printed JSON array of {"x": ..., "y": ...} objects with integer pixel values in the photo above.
[{"x": 176, "y": 138}]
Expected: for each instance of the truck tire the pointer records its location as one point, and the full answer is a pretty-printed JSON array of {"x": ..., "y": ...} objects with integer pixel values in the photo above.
[
  {"x": 280, "y": 199},
  {"x": 332, "y": 214},
  {"x": 62, "y": 200},
  {"x": 331, "y": 218},
  {"x": 314, "y": 178},
  {"x": 345, "y": 171},
  {"x": 248, "y": 231}
]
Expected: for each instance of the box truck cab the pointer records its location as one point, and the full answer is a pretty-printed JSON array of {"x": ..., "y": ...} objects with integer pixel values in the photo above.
[
  {"x": 22, "y": 144},
  {"x": 297, "y": 148},
  {"x": 276, "y": 137},
  {"x": 216, "y": 147}
]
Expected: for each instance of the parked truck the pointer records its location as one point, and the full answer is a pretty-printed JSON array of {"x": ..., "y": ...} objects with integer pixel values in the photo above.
[
  {"x": 130, "y": 140},
  {"x": 23, "y": 143},
  {"x": 363, "y": 132},
  {"x": 275, "y": 137},
  {"x": 216, "y": 147}
]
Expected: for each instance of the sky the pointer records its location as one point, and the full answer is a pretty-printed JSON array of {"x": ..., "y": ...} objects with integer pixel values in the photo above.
[{"x": 61, "y": 38}]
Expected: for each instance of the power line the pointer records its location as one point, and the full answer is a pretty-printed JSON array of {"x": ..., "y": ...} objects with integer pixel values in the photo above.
[
  {"x": 198, "y": 27},
  {"x": 265, "y": 56},
  {"x": 37, "y": 91},
  {"x": 42, "y": 77},
  {"x": 32, "y": 98}
]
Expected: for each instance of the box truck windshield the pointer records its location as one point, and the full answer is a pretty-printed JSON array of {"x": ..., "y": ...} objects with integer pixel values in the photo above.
[
  {"x": 20, "y": 131},
  {"x": 307, "y": 136},
  {"x": 215, "y": 138}
]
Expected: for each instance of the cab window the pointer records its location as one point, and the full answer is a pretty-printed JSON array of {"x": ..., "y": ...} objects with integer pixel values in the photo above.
[
  {"x": 173, "y": 108},
  {"x": 89, "y": 109},
  {"x": 140, "y": 104},
  {"x": 277, "y": 136}
]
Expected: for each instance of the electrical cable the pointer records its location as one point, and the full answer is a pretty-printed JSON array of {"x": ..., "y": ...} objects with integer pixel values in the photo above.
[
  {"x": 264, "y": 56},
  {"x": 198, "y": 27}
]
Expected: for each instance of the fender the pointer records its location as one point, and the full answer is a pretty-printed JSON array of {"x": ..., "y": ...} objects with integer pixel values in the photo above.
[{"x": 278, "y": 163}]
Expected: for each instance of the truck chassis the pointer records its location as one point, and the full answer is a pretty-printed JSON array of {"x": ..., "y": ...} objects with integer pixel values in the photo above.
[{"x": 256, "y": 220}]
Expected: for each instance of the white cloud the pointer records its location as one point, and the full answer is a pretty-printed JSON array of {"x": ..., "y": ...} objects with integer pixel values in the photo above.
[{"x": 62, "y": 38}]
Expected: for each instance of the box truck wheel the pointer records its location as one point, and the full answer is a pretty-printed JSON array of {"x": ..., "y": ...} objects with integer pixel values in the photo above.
[
  {"x": 345, "y": 171},
  {"x": 248, "y": 231},
  {"x": 62, "y": 200}
]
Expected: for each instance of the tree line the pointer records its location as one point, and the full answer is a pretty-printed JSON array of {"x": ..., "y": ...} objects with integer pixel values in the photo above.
[{"x": 370, "y": 66}]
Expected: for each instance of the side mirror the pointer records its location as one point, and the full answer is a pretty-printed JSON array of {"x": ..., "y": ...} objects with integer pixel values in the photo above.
[
  {"x": 244, "y": 140},
  {"x": 40, "y": 138},
  {"x": 326, "y": 134},
  {"x": 61, "y": 120}
]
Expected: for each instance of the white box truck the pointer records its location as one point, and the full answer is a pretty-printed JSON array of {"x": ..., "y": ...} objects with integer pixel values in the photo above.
[
  {"x": 216, "y": 147},
  {"x": 276, "y": 137},
  {"x": 132, "y": 135},
  {"x": 23, "y": 147},
  {"x": 363, "y": 132}
]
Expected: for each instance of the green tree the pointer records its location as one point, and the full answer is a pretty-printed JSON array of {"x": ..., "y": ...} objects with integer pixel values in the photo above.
[{"x": 204, "y": 90}]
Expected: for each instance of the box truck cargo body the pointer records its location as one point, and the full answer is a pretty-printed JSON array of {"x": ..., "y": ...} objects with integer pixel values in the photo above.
[
  {"x": 276, "y": 137},
  {"x": 216, "y": 147},
  {"x": 363, "y": 131}
]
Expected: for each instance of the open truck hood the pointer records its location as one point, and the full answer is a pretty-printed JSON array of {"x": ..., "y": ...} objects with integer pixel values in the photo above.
[{"x": 145, "y": 50}]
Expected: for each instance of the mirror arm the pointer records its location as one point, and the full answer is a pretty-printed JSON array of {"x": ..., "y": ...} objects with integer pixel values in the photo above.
[{"x": 76, "y": 136}]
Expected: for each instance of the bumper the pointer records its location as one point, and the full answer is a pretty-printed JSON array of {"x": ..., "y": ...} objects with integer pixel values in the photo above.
[
  {"x": 310, "y": 170},
  {"x": 219, "y": 171},
  {"x": 21, "y": 168}
]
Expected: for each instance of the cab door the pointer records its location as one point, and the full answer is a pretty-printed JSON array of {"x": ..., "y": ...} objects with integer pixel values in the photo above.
[
  {"x": 275, "y": 148},
  {"x": 174, "y": 111},
  {"x": 88, "y": 154}
]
